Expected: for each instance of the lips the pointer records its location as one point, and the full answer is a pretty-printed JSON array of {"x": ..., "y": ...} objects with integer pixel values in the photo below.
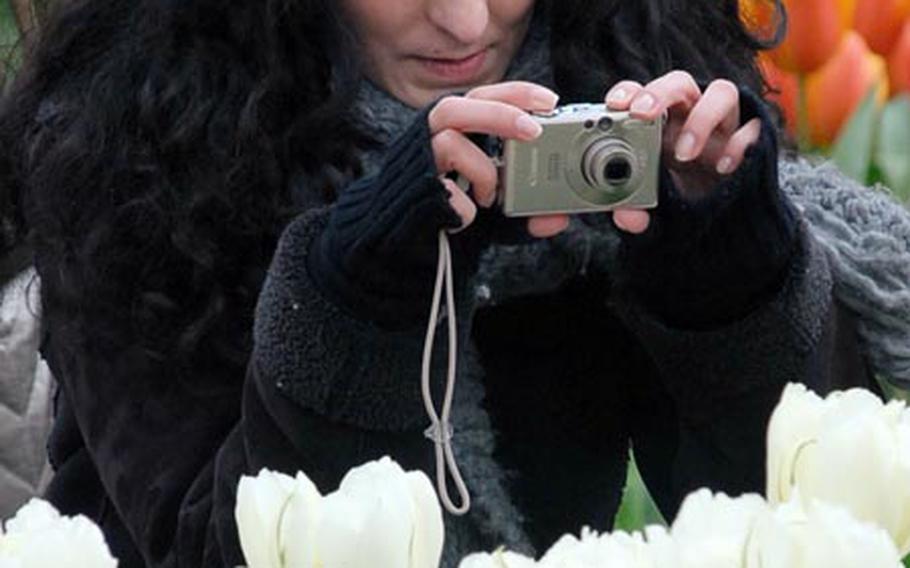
[{"x": 455, "y": 70}]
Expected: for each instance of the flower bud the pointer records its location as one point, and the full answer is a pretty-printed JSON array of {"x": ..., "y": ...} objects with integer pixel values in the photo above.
[
  {"x": 880, "y": 22},
  {"x": 815, "y": 29},
  {"x": 835, "y": 91}
]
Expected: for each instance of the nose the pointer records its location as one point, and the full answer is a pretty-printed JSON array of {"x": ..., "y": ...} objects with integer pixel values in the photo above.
[{"x": 464, "y": 20}]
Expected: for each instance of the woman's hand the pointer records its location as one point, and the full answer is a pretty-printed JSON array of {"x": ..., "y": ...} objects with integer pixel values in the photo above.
[
  {"x": 703, "y": 140},
  {"x": 497, "y": 110}
]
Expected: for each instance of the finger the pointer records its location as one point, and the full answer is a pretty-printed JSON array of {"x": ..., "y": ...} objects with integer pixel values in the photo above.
[
  {"x": 716, "y": 113},
  {"x": 675, "y": 90},
  {"x": 735, "y": 150},
  {"x": 633, "y": 221},
  {"x": 461, "y": 203},
  {"x": 483, "y": 117},
  {"x": 620, "y": 96},
  {"x": 455, "y": 153},
  {"x": 522, "y": 94},
  {"x": 546, "y": 226}
]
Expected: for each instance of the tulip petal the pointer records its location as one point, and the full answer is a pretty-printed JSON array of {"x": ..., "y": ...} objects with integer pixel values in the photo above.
[
  {"x": 899, "y": 62},
  {"x": 498, "y": 559},
  {"x": 814, "y": 534},
  {"x": 815, "y": 29},
  {"x": 426, "y": 547},
  {"x": 300, "y": 525},
  {"x": 35, "y": 515},
  {"x": 837, "y": 89},
  {"x": 39, "y": 537},
  {"x": 792, "y": 431},
  {"x": 880, "y": 21},
  {"x": 713, "y": 530},
  {"x": 261, "y": 501},
  {"x": 835, "y": 539},
  {"x": 370, "y": 520}
]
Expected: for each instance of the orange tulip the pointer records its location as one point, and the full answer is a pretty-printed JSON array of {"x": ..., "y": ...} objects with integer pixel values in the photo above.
[
  {"x": 786, "y": 90},
  {"x": 816, "y": 28},
  {"x": 899, "y": 62},
  {"x": 836, "y": 90},
  {"x": 880, "y": 22}
]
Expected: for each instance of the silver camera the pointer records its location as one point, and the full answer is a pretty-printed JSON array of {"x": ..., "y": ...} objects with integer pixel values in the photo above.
[{"x": 587, "y": 159}]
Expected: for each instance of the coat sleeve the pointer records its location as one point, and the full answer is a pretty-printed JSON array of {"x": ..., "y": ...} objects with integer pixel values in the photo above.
[{"x": 778, "y": 342}]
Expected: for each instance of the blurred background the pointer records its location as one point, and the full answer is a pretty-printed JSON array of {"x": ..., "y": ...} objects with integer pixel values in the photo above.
[{"x": 842, "y": 78}]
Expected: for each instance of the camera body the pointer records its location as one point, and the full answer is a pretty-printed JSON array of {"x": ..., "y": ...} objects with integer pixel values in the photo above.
[{"x": 587, "y": 159}]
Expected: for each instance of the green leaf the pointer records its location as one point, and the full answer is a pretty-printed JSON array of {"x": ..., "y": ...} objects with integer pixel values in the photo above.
[
  {"x": 907, "y": 562},
  {"x": 892, "y": 154},
  {"x": 637, "y": 510},
  {"x": 853, "y": 149}
]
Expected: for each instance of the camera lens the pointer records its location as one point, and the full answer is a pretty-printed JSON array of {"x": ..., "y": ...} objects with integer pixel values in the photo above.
[
  {"x": 618, "y": 171},
  {"x": 605, "y": 123},
  {"x": 608, "y": 165}
]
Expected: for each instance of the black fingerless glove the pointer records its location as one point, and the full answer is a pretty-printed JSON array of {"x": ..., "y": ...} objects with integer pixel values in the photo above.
[
  {"x": 709, "y": 262},
  {"x": 377, "y": 258}
]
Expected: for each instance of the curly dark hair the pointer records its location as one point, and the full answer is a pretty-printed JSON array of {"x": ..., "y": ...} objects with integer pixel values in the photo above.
[{"x": 147, "y": 146}]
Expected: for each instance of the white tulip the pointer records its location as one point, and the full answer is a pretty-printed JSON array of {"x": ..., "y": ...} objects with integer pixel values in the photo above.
[
  {"x": 39, "y": 537},
  {"x": 801, "y": 534},
  {"x": 379, "y": 516},
  {"x": 498, "y": 559},
  {"x": 261, "y": 503},
  {"x": 712, "y": 530},
  {"x": 849, "y": 449}
]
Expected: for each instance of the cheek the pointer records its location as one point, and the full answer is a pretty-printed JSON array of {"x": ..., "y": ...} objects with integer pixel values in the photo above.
[
  {"x": 510, "y": 12},
  {"x": 377, "y": 20}
]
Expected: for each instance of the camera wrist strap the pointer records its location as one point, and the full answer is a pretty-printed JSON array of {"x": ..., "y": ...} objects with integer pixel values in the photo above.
[{"x": 440, "y": 430}]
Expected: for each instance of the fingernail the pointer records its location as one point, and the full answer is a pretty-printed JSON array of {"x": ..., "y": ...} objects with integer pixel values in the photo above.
[
  {"x": 546, "y": 99},
  {"x": 528, "y": 127},
  {"x": 618, "y": 96},
  {"x": 643, "y": 103},
  {"x": 488, "y": 200},
  {"x": 685, "y": 147},
  {"x": 725, "y": 166}
]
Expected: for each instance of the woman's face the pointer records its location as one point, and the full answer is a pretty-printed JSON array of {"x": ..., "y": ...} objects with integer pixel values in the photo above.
[{"x": 419, "y": 50}]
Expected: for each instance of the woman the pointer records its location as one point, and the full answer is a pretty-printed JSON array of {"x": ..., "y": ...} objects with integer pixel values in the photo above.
[{"x": 159, "y": 149}]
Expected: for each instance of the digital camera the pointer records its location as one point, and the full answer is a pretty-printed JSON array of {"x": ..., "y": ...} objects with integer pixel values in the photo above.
[{"x": 587, "y": 159}]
